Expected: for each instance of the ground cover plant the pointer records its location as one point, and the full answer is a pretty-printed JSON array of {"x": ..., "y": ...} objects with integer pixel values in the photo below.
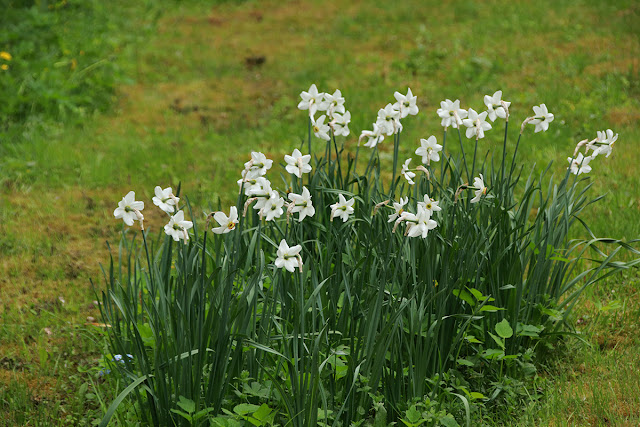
[
  {"x": 454, "y": 293},
  {"x": 191, "y": 90}
]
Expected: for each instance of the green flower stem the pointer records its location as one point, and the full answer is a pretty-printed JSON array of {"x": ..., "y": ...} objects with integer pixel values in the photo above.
[
  {"x": 338, "y": 154},
  {"x": 504, "y": 190},
  {"x": 464, "y": 158},
  {"x": 444, "y": 143},
  {"x": 473, "y": 165},
  {"x": 355, "y": 168},
  {"x": 309, "y": 135},
  {"x": 513, "y": 159},
  {"x": 396, "y": 150}
]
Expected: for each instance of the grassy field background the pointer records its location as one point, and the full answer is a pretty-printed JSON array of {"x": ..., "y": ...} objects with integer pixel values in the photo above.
[{"x": 199, "y": 85}]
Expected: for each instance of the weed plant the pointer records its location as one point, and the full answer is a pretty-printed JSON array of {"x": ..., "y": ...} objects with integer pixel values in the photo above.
[
  {"x": 58, "y": 60},
  {"x": 419, "y": 313}
]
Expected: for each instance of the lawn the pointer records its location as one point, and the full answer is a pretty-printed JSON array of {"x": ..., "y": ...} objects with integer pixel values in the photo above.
[{"x": 182, "y": 93}]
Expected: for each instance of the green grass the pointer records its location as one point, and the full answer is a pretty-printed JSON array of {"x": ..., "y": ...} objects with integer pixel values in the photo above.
[
  {"x": 190, "y": 104},
  {"x": 594, "y": 381},
  {"x": 186, "y": 108}
]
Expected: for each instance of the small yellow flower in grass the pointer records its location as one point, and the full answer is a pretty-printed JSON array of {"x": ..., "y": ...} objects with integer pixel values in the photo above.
[
  {"x": 4, "y": 67},
  {"x": 6, "y": 56}
]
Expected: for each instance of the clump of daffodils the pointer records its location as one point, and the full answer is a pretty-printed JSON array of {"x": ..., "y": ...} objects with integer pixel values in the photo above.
[
  {"x": 388, "y": 121},
  {"x": 601, "y": 145},
  {"x": 337, "y": 117},
  {"x": 330, "y": 119},
  {"x": 129, "y": 210}
]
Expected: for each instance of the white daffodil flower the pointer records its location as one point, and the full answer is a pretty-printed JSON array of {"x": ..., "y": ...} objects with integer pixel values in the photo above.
[
  {"x": 407, "y": 103},
  {"x": 374, "y": 137},
  {"x": 258, "y": 164},
  {"x": 607, "y": 137},
  {"x": 227, "y": 223},
  {"x": 298, "y": 164},
  {"x": 177, "y": 227},
  {"x": 429, "y": 149},
  {"x": 334, "y": 103},
  {"x": 476, "y": 124},
  {"x": 341, "y": 123},
  {"x": 495, "y": 106},
  {"x": 312, "y": 101},
  {"x": 451, "y": 113},
  {"x": 542, "y": 118},
  {"x": 398, "y": 208},
  {"x": 260, "y": 191},
  {"x": 603, "y": 144},
  {"x": 319, "y": 129},
  {"x": 251, "y": 175},
  {"x": 252, "y": 181},
  {"x": 408, "y": 175},
  {"x": 288, "y": 257},
  {"x": 301, "y": 203},
  {"x": 343, "y": 209},
  {"x": 430, "y": 205},
  {"x": 479, "y": 188},
  {"x": 165, "y": 200},
  {"x": 129, "y": 209},
  {"x": 419, "y": 224},
  {"x": 389, "y": 120},
  {"x": 272, "y": 207},
  {"x": 580, "y": 164}
]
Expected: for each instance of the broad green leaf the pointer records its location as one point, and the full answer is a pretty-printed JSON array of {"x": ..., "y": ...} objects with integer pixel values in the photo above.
[
  {"x": 477, "y": 294},
  {"x": 472, "y": 339},
  {"x": 263, "y": 413},
  {"x": 464, "y": 296},
  {"x": 449, "y": 421},
  {"x": 504, "y": 329},
  {"x": 245, "y": 408},
  {"x": 202, "y": 413},
  {"x": 187, "y": 404},
  {"x": 498, "y": 340},
  {"x": 147, "y": 335},
  {"x": 555, "y": 315},
  {"x": 225, "y": 422},
  {"x": 490, "y": 308},
  {"x": 528, "y": 330},
  {"x": 493, "y": 353},
  {"x": 465, "y": 362},
  {"x": 256, "y": 389},
  {"x": 182, "y": 414},
  {"x": 413, "y": 417}
]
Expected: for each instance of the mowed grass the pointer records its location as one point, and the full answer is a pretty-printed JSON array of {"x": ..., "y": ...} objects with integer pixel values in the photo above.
[
  {"x": 213, "y": 82},
  {"x": 596, "y": 383}
]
